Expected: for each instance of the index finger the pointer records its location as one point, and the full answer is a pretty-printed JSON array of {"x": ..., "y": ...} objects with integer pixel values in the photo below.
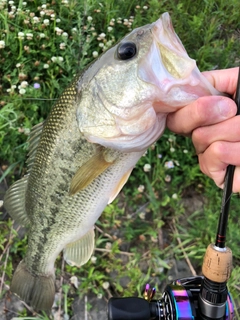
[{"x": 223, "y": 80}]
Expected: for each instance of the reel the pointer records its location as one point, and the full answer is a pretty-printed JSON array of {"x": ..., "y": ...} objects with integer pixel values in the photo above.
[{"x": 180, "y": 301}]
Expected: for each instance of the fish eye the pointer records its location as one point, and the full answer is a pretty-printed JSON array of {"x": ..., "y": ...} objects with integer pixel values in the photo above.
[{"x": 126, "y": 50}]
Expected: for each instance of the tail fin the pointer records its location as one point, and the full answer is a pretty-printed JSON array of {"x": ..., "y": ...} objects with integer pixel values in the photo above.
[{"x": 36, "y": 290}]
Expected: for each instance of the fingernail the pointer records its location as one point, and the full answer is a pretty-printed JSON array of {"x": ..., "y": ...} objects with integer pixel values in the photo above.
[{"x": 226, "y": 108}]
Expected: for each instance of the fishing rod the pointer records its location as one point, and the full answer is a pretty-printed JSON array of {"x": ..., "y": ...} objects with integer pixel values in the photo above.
[{"x": 193, "y": 298}]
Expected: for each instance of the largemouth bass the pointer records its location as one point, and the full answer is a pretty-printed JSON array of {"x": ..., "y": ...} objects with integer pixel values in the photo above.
[{"x": 82, "y": 155}]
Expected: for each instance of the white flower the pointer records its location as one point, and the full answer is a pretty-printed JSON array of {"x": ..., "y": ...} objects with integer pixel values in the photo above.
[
  {"x": 110, "y": 29},
  {"x": 42, "y": 13},
  {"x": 2, "y": 44},
  {"x": 168, "y": 178},
  {"x": 169, "y": 164},
  {"x": 10, "y": 3},
  {"x": 46, "y": 22},
  {"x": 29, "y": 36},
  {"x": 105, "y": 285},
  {"x": 145, "y": 7},
  {"x": 24, "y": 4},
  {"x": 142, "y": 215},
  {"x": 42, "y": 35},
  {"x": 95, "y": 54},
  {"x": 18, "y": 65},
  {"x": 44, "y": 6},
  {"x": 141, "y": 188},
  {"x": 108, "y": 246},
  {"x": 21, "y": 35},
  {"x": 147, "y": 167},
  {"x": 52, "y": 16},
  {"x": 74, "y": 281},
  {"x": 58, "y": 20},
  {"x": 35, "y": 19},
  {"x": 58, "y": 31},
  {"x": 174, "y": 196},
  {"x": 22, "y": 91},
  {"x": 65, "y": 34},
  {"x": 172, "y": 149},
  {"x": 24, "y": 84},
  {"x": 93, "y": 259},
  {"x": 62, "y": 46},
  {"x": 74, "y": 30},
  {"x": 89, "y": 18},
  {"x": 185, "y": 151},
  {"x": 12, "y": 88},
  {"x": 57, "y": 59},
  {"x": 11, "y": 14},
  {"x": 102, "y": 35},
  {"x": 45, "y": 66}
]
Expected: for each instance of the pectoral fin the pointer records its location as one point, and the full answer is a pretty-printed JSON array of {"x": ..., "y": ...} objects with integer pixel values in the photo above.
[
  {"x": 79, "y": 252},
  {"x": 90, "y": 170},
  {"x": 14, "y": 201},
  {"x": 120, "y": 185}
]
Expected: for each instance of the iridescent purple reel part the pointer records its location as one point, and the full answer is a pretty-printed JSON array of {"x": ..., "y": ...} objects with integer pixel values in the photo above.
[{"x": 179, "y": 302}]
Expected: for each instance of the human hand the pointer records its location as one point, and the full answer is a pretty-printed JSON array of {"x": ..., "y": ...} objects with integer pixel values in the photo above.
[{"x": 214, "y": 128}]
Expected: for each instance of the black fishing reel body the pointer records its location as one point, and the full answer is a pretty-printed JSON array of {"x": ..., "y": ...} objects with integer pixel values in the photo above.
[{"x": 180, "y": 301}]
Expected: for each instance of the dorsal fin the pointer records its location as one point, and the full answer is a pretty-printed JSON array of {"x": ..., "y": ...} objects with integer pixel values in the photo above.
[
  {"x": 14, "y": 200},
  {"x": 33, "y": 141}
]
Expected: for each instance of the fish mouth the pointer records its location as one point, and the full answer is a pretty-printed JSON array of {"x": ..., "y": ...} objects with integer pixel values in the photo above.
[{"x": 167, "y": 64}]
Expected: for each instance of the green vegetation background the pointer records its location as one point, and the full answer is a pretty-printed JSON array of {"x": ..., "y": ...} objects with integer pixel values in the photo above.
[{"x": 154, "y": 221}]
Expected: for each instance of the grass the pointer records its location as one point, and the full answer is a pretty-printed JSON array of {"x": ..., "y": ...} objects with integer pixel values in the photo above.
[{"x": 153, "y": 222}]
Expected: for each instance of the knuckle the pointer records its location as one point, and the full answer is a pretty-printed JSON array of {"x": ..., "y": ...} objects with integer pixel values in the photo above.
[
  {"x": 198, "y": 136},
  {"x": 218, "y": 149}
]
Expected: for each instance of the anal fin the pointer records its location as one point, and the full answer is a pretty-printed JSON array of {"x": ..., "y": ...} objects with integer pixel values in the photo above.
[
  {"x": 79, "y": 252},
  {"x": 14, "y": 201}
]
